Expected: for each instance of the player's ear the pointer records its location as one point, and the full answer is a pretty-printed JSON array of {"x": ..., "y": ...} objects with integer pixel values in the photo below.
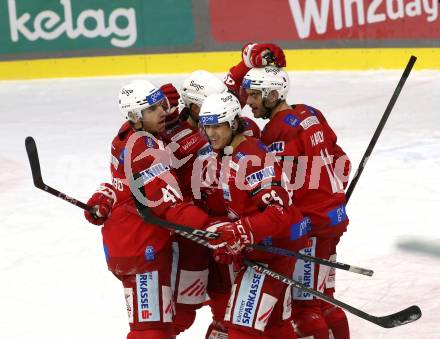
[
  {"x": 273, "y": 96},
  {"x": 235, "y": 125}
]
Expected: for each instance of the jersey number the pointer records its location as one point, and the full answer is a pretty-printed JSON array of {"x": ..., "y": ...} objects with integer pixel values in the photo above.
[
  {"x": 272, "y": 196},
  {"x": 170, "y": 194}
]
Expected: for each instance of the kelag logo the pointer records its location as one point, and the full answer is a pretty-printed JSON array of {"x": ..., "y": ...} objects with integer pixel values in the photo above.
[
  {"x": 50, "y": 25},
  {"x": 45, "y": 29}
]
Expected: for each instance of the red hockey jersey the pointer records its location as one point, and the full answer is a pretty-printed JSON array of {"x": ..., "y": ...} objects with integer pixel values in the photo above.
[
  {"x": 128, "y": 239},
  {"x": 302, "y": 133},
  {"x": 190, "y": 148},
  {"x": 251, "y": 183}
]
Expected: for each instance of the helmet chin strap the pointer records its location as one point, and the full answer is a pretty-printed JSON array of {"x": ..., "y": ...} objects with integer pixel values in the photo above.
[
  {"x": 269, "y": 110},
  {"x": 133, "y": 125},
  {"x": 228, "y": 149}
]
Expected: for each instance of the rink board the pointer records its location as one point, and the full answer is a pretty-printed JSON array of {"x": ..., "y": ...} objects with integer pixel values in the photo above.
[{"x": 307, "y": 59}]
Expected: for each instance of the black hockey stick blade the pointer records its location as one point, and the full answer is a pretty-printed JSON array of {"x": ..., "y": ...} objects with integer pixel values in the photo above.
[
  {"x": 31, "y": 150},
  {"x": 403, "y": 317},
  {"x": 397, "y": 319},
  {"x": 34, "y": 161},
  {"x": 400, "y": 318}
]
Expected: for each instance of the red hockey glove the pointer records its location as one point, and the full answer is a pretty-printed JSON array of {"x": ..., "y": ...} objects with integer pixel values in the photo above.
[
  {"x": 260, "y": 55},
  {"x": 171, "y": 93},
  {"x": 172, "y": 96},
  {"x": 232, "y": 240},
  {"x": 101, "y": 202}
]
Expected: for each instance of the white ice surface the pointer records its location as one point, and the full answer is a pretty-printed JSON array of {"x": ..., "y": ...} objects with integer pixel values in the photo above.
[{"x": 54, "y": 281}]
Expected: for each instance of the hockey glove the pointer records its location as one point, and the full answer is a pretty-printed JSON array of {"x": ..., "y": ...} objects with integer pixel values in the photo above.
[
  {"x": 232, "y": 240},
  {"x": 101, "y": 202},
  {"x": 171, "y": 93},
  {"x": 260, "y": 55}
]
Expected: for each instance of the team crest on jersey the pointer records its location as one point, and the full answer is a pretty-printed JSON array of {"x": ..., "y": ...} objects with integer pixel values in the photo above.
[
  {"x": 149, "y": 141},
  {"x": 291, "y": 120},
  {"x": 258, "y": 176},
  {"x": 150, "y": 253},
  {"x": 276, "y": 147}
]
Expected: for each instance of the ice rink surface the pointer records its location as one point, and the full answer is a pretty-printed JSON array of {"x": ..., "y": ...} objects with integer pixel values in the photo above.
[{"x": 54, "y": 280}]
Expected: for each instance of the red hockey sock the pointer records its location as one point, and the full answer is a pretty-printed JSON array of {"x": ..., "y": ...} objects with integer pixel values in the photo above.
[
  {"x": 184, "y": 318},
  {"x": 309, "y": 321},
  {"x": 218, "y": 303},
  {"x": 336, "y": 321}
]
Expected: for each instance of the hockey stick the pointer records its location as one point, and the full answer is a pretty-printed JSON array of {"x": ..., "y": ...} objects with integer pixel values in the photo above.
[
  {"x": 397, "y": 319},
  {"x": 400, "y": 318},
  {"x": 361, "y": 167},
  {"x": 305, "y": 257},
  {"x": 403, "y": 317},
  {"x": 151, "y": 218},
  {"x": 381, "y": 125},
  {"x": 31, "y": 149}
]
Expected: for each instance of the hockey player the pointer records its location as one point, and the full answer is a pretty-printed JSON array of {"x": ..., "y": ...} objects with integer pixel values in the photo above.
[
  {"x": 193, "y": 259},
  {"x": 301, "y": 132},
  {"x": 253, "y": 55},
  {"x": 201, "y": 84},
  {"x": 137, "y": 252},
  {"x": 189, "y": 147},
  {"x": 260, "y": 211}
]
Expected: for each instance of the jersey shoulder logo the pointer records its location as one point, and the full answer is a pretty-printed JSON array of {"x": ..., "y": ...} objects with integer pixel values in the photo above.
[{"x": 291, "y": 120}]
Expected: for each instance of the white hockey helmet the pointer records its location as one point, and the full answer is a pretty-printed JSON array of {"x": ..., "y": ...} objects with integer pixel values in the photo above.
[
  {"x": 219, "y": 108},
  {"x": 137, "y": 96},
  {"x": 267, "y": 79},
  {"x": 198, "y": 86}
]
